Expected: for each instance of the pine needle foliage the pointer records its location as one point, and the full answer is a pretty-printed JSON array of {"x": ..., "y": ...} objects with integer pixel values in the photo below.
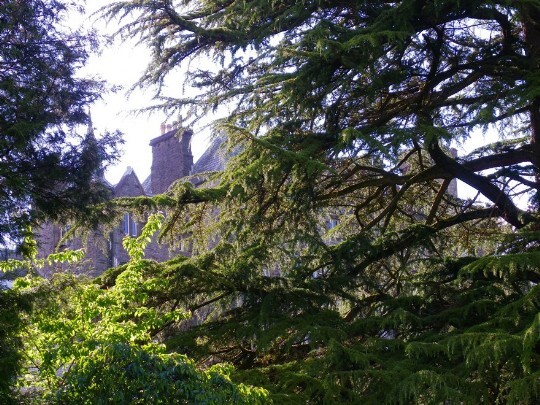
[
  {"x": 47, "y": 169},
  {"x": 349, "y": 111}
]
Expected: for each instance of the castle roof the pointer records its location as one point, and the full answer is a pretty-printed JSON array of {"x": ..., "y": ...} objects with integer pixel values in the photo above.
[
  {"x": 147, "y": 185},
  {"x": 129, "y": 185},
  {"x": 213, "y": 159}
]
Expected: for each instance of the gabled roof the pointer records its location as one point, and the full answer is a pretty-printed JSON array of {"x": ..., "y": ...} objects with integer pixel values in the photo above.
[
  {"x": 147, "y": 185},
  {"x": 129, "y": 185}
]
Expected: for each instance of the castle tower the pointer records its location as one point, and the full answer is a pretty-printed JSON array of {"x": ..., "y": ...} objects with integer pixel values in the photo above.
[{"x": 171, "y": 158}]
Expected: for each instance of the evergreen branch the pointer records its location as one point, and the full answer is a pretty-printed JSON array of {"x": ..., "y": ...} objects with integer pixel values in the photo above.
[{"x": 511, "y": 213}]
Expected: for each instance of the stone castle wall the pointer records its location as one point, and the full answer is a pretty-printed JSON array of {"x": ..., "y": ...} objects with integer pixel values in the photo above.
[{"x": 171, "y": 160}]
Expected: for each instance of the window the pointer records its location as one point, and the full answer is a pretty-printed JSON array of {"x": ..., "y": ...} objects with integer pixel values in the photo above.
[
  {"x": 126, "y": 224},
  {"x": 130, "y": 226},
  {"x": 133, "y": 227}
]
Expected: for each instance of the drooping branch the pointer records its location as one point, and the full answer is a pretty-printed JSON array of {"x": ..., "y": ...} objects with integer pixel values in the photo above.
[
  {"x": 437, "y": 201},
  {"x": 510, "y": 212},
  {"x": 417, "y": 235},
  {"x": 511, "y": 157}
]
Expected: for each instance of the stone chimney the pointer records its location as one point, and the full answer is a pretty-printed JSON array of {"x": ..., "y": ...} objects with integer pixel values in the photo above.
[
  {"x": 171, "y": 158},
  {"x": 185, "y": 142}
]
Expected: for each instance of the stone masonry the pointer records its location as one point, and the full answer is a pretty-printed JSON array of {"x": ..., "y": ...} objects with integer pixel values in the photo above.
[{"x": 171, "y": 160}]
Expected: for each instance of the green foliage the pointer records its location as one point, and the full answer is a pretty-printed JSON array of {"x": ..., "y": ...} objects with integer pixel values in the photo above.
[
  {"x": 66, "y": 256},
  {"x": 47, "y": 169},
  {"x": 349, "y": 111},
  {"x": 96, "y": 345},
  {"x": 12, "y": 306},
  {"x": 127, "y": 374}
]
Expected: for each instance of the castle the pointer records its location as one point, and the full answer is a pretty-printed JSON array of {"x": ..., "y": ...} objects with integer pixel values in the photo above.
[{"x": 172, "y": 159}]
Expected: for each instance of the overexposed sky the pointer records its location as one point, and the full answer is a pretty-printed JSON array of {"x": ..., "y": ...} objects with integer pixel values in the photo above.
[{"x": 121, "y": 64}]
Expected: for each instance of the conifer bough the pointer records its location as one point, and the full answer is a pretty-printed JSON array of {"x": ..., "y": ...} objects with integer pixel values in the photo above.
[
  {"x": 348, "y": 110},
  {"x": 45, "y": 171}
]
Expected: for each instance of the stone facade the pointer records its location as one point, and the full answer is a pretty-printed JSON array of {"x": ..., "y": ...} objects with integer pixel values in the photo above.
[{"x": 171, "y": 160}]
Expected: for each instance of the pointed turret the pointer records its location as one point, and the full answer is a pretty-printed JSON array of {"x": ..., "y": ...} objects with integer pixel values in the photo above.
[{"x": 91, "y": 149}]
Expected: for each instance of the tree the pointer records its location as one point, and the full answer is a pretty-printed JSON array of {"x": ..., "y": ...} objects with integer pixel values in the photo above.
[
  {"x": 46, "y": 170},
  {"x": 84, "y": 343},
  {"x": 11, "y": 305},
  {"x": 128, "y": 374},
  {"x": 348, "y": 109}
]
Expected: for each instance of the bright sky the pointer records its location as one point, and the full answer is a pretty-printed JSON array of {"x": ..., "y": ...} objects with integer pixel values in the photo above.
[{"x": 121, "y": 65}]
